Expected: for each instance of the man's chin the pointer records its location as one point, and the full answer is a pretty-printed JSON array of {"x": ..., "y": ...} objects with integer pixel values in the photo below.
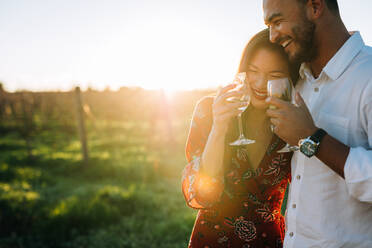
[
  {"x": 301, "y": 55},
  {"x": 294, "y": 58},
  {"x": 292, "y": 53},
  {"x": 297, "y": 58}
]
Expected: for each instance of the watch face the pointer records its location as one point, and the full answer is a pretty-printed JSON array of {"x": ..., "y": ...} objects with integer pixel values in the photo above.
[{"x": 308, "y": 147}]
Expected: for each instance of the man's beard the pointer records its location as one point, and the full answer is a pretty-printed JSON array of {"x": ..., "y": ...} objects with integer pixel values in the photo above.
[{"x": 304, "y": 37}]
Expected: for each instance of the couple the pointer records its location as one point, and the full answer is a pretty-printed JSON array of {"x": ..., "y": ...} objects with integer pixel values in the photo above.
[{"x": 239, "y": 190}]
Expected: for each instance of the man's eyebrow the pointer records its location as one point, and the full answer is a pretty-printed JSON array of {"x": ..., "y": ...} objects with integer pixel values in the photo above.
[{"x": 273, "y": 16}]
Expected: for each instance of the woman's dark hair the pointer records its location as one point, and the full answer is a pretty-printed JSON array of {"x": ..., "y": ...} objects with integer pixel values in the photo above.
[
  {"x": 262, "y": 41},
  {"x": 259, "y": 41}
]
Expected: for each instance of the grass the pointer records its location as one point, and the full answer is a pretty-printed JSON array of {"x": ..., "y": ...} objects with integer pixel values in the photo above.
[{"x": 128, "y": 195}]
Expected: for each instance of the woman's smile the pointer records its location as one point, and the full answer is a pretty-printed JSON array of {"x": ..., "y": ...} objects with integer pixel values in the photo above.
[
  {"x": 264, "y": 65},
  {"x": 259, "y": 94}
]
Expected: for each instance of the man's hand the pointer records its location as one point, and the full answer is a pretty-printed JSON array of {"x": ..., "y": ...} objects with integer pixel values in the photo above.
[{"x": 291, "y": 123}]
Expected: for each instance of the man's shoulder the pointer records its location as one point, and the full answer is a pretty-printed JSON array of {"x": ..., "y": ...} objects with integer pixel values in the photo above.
[
  {"x": 359, "y": 71},
  {"x": 367, "y": 50},
  {"x": 363, "y": 61}
]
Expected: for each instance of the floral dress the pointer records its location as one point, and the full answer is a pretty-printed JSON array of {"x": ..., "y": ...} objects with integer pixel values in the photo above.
[{"x": 242, "y": 209}]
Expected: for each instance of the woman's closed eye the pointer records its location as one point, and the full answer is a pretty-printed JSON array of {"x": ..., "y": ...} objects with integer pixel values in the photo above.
[
  {"x": 252, "y": 70},
  {"x": 277, "y": 75}
]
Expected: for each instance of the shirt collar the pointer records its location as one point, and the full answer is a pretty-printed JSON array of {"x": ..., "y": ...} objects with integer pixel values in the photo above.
[
  {"x": 304, "y": 71},
  {"x": 341, "y": 60}
]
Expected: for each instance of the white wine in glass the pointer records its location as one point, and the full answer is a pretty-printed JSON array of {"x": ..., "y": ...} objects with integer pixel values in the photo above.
[
  {"x": 240, "y": 80},
  {"x": 283, "y": 89}
]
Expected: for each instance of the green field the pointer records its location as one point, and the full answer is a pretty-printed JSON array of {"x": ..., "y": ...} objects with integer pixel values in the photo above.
[{"x": 127, "y": 195}]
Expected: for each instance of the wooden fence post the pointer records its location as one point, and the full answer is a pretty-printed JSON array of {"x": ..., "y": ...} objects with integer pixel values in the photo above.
[
  {"x": 28, "y": 127},
  {"x": 2, "y": 102},
  {"x": 81, "y": 124}
]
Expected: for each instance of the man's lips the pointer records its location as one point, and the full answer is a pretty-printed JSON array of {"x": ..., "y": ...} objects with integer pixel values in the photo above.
[{"x": 285, "y": 43}]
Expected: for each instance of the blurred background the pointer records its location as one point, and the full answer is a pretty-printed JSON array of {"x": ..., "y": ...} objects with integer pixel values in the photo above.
[{"x": 96, "y": 99}]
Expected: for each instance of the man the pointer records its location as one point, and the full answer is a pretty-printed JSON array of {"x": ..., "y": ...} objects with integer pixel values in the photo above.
[{"x": 330, "y": 198}]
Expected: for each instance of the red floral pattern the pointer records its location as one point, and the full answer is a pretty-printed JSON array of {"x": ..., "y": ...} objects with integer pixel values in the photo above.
[
  {"x": 242, "y": 209},
  {"x": 245, "y": 229}
]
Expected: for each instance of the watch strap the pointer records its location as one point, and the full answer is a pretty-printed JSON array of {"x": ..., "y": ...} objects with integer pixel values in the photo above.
[{"x": 318, "y": 135}]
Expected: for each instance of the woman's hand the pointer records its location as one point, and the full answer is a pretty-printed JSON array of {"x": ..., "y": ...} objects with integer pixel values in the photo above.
[{"x": 224, "y": 110}]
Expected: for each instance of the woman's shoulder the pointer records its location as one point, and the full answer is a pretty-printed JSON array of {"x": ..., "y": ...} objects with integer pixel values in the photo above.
[
  {"x": 205, "y": 103},
  {"x": 204, "y": 106}
]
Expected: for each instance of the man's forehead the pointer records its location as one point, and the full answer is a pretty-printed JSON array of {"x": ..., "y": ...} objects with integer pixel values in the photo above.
[
  {"x": 270, "y": 7},
  {"x": 278, "y": 2},
  {"x": 275, "y": 7}
]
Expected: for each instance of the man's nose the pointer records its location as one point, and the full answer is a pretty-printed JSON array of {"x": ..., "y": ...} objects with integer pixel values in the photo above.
[{"x": 274, "y": 34}]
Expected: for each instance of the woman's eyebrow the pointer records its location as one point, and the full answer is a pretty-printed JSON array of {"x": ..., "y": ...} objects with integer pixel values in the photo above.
[
  {"x": 252, "y": 65},
  {"x": 277, "y": 72}
]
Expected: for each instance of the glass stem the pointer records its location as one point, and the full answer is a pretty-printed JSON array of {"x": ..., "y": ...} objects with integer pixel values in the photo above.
[{"x": 240, "y": 124}]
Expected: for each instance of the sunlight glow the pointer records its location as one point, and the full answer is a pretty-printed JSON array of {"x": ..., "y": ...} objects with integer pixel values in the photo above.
[{"x": 173, "y": 45}]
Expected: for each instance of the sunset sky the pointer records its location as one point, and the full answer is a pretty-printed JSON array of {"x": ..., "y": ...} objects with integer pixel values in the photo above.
[{"x": 170, "y": 44}]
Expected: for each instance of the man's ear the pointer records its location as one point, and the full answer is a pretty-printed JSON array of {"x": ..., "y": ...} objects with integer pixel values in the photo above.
[{"x": 315, "y": 9}]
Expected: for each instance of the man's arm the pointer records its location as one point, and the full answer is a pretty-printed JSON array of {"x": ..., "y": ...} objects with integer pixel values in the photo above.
[
  {"x": 354, "y": 164},
  {"x": 293, "y": 123},
  {"x": 334, "y": 154}
]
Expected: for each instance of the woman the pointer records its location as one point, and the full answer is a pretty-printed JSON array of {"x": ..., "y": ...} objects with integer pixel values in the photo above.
[{"x": 239, "y": 190}]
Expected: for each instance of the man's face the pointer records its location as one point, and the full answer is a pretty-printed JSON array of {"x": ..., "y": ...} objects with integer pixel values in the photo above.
[{"x": 290, "y": 28}]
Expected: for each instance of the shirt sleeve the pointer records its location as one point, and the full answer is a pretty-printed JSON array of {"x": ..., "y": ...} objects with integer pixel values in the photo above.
[
  {"x": 358, "y": 167},
  {"x": 200, "y": 190}
]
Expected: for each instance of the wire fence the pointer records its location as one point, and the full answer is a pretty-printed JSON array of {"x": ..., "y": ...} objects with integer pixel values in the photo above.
[{"x": 29, "y": 113}]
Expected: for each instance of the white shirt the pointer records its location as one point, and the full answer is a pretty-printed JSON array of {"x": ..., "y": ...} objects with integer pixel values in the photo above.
[{"x": 325, "y": 210}]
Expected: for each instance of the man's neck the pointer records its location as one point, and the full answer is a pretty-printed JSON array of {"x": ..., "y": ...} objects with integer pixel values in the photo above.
[{"x": 329, "y": 39}]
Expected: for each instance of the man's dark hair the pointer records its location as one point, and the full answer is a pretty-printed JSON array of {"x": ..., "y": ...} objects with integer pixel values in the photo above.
[{"x": 331, "y": 4}]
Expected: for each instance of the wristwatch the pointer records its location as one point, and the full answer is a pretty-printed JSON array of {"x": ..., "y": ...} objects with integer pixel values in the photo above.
[{"x": 310, "y": 145}]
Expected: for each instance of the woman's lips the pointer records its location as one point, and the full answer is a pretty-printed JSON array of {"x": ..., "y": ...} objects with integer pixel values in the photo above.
[{"x": 260, "y": 95}]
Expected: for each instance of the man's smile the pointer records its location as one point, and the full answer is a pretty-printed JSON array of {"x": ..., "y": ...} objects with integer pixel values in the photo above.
[{"x": 285, "y": 43}]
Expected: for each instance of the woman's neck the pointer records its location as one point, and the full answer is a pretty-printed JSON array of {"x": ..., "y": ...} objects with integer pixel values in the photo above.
[{"x": 258, "y": 116}]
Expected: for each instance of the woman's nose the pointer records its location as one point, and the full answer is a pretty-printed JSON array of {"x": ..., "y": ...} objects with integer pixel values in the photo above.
[{"x": 261, "y": 82}]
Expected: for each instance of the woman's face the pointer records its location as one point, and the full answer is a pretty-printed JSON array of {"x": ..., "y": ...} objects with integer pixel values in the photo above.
[{"x": 264, "y": 65}]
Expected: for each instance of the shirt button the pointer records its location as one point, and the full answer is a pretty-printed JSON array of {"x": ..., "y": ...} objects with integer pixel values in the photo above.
[
  {"x": 298, "y": 177},
  {"x": 291, "y": 234},
  {"x": 294, "y": 206},
  {"x": 316, "y": 89}
]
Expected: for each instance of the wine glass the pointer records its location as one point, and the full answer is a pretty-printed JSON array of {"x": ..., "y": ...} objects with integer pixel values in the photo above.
[
  {"x": 283, "y": 89},
  {"x": 242, "y": 86}
]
